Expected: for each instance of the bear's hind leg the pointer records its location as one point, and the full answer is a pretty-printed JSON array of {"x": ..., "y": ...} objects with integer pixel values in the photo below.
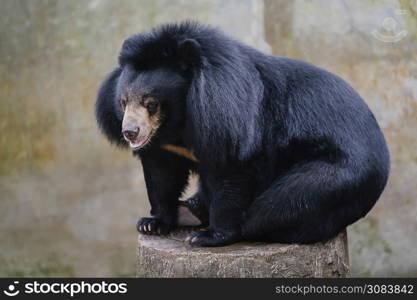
[
  {"x": 310, "y": 203},
  {"x": 192, "y": 212}
]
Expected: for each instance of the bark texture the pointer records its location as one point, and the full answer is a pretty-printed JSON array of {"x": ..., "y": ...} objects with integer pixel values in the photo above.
[{"x": 170, "y": 257}]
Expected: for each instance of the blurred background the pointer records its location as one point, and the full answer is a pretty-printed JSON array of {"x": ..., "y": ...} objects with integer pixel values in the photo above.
[{"x": 69, "y": 201}]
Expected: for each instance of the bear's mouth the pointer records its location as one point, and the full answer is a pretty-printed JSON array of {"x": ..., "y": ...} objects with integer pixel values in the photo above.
[{"x": 139, "y": 142}]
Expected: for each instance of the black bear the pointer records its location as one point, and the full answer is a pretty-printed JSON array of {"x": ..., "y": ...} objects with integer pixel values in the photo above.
[{"x": 285, "y": 151}]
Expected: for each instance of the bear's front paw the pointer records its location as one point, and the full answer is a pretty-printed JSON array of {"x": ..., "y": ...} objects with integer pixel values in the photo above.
[
  {"x": 153, "y": 225},
  {"x": 211, "y": 238}
]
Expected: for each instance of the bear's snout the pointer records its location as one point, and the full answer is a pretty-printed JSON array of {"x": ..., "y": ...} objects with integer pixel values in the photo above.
[{"x": 130, "y": 132}]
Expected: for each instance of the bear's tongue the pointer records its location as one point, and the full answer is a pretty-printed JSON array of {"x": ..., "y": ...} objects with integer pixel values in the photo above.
[{"x": 138, "y": 142}]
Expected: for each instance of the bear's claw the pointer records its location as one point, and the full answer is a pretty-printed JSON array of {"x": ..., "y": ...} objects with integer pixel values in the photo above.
[
  {"x": 153, "y": 226},
  {"x": 210, "y": 238}
]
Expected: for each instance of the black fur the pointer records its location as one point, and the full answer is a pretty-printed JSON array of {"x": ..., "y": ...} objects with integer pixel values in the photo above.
[{"x": 287, "y": 152}]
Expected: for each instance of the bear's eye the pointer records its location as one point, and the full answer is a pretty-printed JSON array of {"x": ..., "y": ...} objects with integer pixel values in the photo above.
[
  {"x": 123, "y": 103},
  {"x": 151, "y": 106}
]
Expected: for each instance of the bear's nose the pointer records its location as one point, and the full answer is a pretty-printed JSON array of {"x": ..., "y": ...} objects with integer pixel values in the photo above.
[{"x": 131, "y": 133}]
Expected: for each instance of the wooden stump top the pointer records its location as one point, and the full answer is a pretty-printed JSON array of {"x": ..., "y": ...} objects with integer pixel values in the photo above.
[{"x": 169, "y": 256}]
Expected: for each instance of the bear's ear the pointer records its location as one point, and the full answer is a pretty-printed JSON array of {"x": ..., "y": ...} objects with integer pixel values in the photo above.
[
  {"x": 106, "y": 109},
  {"x": 190, "y": 53}
]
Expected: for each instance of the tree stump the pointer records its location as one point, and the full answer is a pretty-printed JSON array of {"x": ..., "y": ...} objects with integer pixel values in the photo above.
[{"x": 169, "y": 256}]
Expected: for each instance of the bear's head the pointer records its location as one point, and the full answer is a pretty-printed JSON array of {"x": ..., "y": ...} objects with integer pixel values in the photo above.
[
  {"x": 150, "y": 101},
  {"x": 147, "y": 93}
]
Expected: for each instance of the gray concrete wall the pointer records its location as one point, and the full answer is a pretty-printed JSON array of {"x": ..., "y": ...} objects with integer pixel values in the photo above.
[{"x": 69, "y": 201}]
